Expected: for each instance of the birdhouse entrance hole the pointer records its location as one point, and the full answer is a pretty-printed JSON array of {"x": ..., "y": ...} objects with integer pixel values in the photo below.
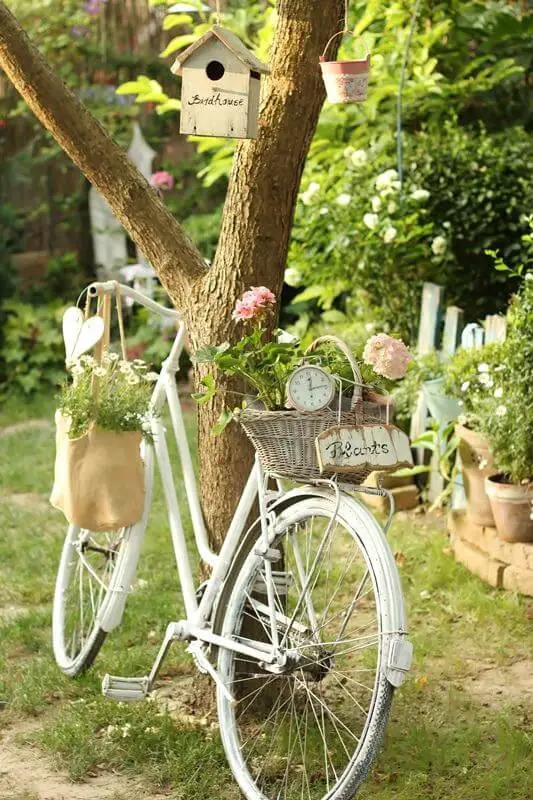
[{"x": 215, "y": 70}]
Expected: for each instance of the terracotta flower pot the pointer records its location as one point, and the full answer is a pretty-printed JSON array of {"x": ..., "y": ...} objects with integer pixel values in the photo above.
[
  {"x": 512, "y": 506},
  {"x": 474, "y": 451},
  {"x": 346, "y": 81}
]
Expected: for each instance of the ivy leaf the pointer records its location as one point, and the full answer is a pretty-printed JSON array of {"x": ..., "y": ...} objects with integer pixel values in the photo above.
[{"x": 173, "y": 20}]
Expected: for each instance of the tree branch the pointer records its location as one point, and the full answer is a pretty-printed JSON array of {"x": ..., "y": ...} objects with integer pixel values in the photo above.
[{"x": 135, "y": 204}]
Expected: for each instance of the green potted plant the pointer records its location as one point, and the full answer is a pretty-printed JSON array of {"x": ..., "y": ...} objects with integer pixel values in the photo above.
[
  {"x": 470, "y": 376},
  {"x": 507, "y": 420}
]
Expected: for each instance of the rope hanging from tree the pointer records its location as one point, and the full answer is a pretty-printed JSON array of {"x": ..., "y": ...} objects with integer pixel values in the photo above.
[{"x": 218, "y": 12}]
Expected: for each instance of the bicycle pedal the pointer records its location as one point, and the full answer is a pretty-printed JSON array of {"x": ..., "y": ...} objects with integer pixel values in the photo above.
[{"x": 125, "y": 690}]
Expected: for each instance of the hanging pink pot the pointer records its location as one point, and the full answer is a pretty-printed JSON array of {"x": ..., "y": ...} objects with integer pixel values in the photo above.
[{"x": 346, "y": 81}]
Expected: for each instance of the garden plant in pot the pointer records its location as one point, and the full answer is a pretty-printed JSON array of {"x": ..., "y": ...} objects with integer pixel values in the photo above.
[
  {"x": 507, "y": 420},
  {"x": 283, "y": 429},
  {"x": 470, "y": 376}
]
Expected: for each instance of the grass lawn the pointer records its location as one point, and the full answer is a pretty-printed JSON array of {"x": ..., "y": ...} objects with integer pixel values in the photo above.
[{"x": 461, "y": 728}]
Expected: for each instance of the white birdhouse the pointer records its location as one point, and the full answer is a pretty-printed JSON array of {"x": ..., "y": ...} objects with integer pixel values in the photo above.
[{"x": 221, "y": 86}]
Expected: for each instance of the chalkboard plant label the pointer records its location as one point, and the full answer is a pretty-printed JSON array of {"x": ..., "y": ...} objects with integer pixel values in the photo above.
[
  {"x": 221, "y": 86},
  {"x": 347, "y": 448}
]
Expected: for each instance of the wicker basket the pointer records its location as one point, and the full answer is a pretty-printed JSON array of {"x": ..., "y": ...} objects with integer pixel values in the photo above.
[{"x": 285, "y": 440}]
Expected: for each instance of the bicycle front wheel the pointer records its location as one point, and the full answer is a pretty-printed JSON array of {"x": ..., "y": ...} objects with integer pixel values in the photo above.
[{"x": 313, "y": 729}]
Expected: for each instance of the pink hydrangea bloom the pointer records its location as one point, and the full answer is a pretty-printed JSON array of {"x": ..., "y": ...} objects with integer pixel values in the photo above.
[
  {"x": 254, "y": 304},
  {"x": 162, "y": 180},
  {"x": 387, "y": 356}
]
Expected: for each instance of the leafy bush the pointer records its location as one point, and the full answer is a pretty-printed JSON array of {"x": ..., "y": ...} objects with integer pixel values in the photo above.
[
  {"x": 32, "y": 350},
  {"x": 471, "y": 373},
  {"x": 356, "y": 235},
  {"x": 481, "y": 191}
]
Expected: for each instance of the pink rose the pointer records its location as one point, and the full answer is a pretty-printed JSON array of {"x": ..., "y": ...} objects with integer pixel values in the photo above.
[
  {"x": 387, "y": 356},
  {"x": 162, "y": 180},
  {"x": 254, "y": 304}
]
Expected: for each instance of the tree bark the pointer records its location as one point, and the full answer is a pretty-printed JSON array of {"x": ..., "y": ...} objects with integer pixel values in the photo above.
[
  {"x": 258, "y": 212},
  {"x": 256, "y": 225}
]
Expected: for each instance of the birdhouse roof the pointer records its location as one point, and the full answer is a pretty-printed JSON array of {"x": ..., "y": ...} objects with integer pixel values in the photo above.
[{"x": 229, "y": 40}]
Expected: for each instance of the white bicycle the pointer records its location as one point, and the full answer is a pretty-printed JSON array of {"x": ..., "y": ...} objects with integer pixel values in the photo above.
[{"x": 301, "y": 624}]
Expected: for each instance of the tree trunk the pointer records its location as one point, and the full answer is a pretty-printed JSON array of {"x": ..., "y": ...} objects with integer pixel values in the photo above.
[
  {"x": 256, "y": 225},
  {"x": 257, "y": 216}
]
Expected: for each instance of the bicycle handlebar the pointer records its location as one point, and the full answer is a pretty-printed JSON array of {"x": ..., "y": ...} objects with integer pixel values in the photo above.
[{"x": 110, "y": 287}]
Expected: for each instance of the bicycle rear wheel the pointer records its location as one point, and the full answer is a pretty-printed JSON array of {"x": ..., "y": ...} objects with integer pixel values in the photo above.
[
  {"x": 313, "y": 730},
  {"x": 93, "y": 581}
]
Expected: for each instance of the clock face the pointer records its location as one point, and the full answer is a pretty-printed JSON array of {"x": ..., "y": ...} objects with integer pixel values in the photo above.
[{"x": 310, "y": 389}]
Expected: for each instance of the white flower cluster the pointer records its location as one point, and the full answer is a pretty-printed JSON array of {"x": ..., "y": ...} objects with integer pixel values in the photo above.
[{"x": 133, "y": 371}]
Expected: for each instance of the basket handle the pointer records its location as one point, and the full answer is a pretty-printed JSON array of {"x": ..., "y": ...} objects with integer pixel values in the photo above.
[
  {"x": 341, "y": 33},
  {"x": 358, "y": 378}
]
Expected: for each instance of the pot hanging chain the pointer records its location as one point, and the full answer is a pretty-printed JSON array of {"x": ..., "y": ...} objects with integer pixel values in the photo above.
[{"x": 218, "y": 12}]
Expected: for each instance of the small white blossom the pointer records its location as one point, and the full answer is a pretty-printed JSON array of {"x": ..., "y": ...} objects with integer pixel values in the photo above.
[
  {"x": 344, "y": 199},
  {"x": 529, "y": 276},
  {"x": 324, "y": 210},
  {"x": 151, "y": 377},
  {"x": 124, "y": 367},
  {"x": 483, "y": 368},
  {"x": 501, "y": 411},
  {"x": 100, "y": 372},
  {"x": 361, "y": 263},
  {"x": 387, "y": 180},
  {"x": 371, "y": 221},
  {"x": 498, "y": 392},
  {"x": 308, "y": 195},
  {"x": 126, "y": 730},
  {"x": 359, "y": 158},
  {"x": 142, "y": 583},
  {"x": 390, "y": 234},
  {"x": 110, "y": 730},
  {"x": 370, "y": 326},
  {"x": 77, "y": 370},
  {"x": 391, "y": 208},
  {"x": 89, "y": 361},
  {"x": 483, "y": 463},
  {"x": 420, "y": 194},
  {"x": 293, "y": 276},
  {"x": 348, "y": 151},
  {"x": 486, "y": 380},
  {"x": 132, "y": 380},
  {"x": 465, "y": 386},
  {"x": 438, "y": 245},
  {"x": 376, "y": 203}
]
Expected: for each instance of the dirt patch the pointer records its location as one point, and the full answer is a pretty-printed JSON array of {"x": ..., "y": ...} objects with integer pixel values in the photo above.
[
  {"x": 497, "y": 686},
  {"x": 25, "y": 772},
  {"x": 28, "y": 425},
  {"x": 30, "y": 500},
  {"x": 190, "y": 701}
]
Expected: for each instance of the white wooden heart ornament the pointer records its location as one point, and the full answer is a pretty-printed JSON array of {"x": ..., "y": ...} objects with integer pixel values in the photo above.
[
  {"x": 80, "y": 336},
  {"x": 72, "y": 322}
]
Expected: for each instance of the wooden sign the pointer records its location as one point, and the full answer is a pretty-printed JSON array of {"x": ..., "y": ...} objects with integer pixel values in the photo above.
[
  {"x": 221, "y": 86},
  {"x": 345, "y": 448}
]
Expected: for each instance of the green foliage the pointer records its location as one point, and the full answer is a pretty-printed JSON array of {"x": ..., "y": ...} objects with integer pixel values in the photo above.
[
  {"x": 482, "y": 191},
  {"x": 32, "y": 351},
  {"x": 471, "y": 373},
  {"x": 353, "y": 229},
  {"x": 506, "y": 415},
  {"x": 113, "y": 395},
  {"x": 263, "y": 365}
]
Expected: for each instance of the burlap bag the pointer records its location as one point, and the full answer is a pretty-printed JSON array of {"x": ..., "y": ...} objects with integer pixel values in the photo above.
[{"x": 99, "y": 477}]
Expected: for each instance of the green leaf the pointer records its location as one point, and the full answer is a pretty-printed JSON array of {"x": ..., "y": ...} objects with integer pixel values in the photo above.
[
  {"x": 173, "y": 20},
  {"x": 204, "y": 397},
  {"x": 223, "y": 421},
  {"x": 406, "y": 472},
  {"x": 169, "y": 105},
  {"x": 178, "y": 43}
]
